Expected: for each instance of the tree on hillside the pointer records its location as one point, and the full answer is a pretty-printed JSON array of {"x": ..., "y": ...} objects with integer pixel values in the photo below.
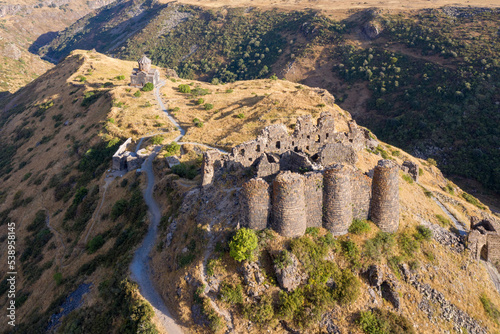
[{"x": 243, "y": 244}]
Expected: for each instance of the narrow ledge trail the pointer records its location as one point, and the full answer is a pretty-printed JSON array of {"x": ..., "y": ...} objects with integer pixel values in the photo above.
[{"x": 139, "y": 268}]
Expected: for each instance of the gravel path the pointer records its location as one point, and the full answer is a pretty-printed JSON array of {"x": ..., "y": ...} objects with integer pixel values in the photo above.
[
  {"x": 459, "y": 226},
  {"x": 140, "y": 270}
]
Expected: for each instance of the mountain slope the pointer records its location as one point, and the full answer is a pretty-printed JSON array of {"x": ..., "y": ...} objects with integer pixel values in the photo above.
[
  {"x": 58, "y": 135},
  {"x": 420, "y": 72}
]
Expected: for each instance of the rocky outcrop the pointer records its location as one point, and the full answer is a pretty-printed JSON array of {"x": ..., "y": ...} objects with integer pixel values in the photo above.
[
  {"x": 253, "y": 278},
  {"x": 412, "y": 169},
  {"x": 372, "y": 30},
  {"x": 385, "y": 285},
  {"x": 447, "y": 311},
  {"x": 288, "y": 273}
]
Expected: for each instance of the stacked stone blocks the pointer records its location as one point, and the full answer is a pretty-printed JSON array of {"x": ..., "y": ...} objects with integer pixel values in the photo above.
[
  {"x": 327, "y": 199},
  {"x": 385, "y": 196},
  {"x": 337, "y": 216},
  {"x": 289, "y": 204}
]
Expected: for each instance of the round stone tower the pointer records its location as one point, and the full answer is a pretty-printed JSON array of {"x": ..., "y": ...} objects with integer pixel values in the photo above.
[
  {"x": 144, "y": 64},
  {"x": 256, "y": 203},
  {"x": 337, "y": 215},
  {"x": 384, "y": 209},
  {"x": 289, "y": 210}
]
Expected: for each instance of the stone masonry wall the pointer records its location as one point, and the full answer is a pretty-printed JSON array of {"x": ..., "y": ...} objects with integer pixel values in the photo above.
[
  {"x": 385, "y": 196},
  {"x": 361, "y": 194},
  {"x": 337, "y": 199},
  {"x": 256, "y": 204},
  {"x": 313, "y": 191},
  {"x": 288, "y": 209},
  {"x": 318, "y": 140}
]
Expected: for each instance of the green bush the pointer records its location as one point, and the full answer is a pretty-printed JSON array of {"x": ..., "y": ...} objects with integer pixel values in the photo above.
[
  {"x": 408, "y": 178},
  {"x": 283, "y": 260},
  {"x": 184, "y": 170},
  {"x": 148, "y": 87},
  {"x": 137, "y": 94},
  {"x": 172, "y": 149},
  {"x": 262, "y": 312},
  {"x": 449, "y": 188},
  {"x": 118, "y": 208},
  {"x": 351, "y": 252},
  {"x": 490, "y": 308},
  {"x": 424, "y": 233},
  {"x": 384, "y": 322},
  {"x": 243, "y": 244},
  {"x": 209, "y": 106},
  {"x": 313, "y": 231},
  {"x": 359, "y": 226},
  {"x": 291, "y": 303},
  {"x": 241, "y": 115},
  {"x": 408, "y": 244},
  {"x": 90, "y": 97},
  {"x": 382, "y": 244},
  {"x": 231, "y": 294},
  {"x": 58, "y": 277},
  {"x": 199, "y": 101},
  {"x": 348, "y": 288},
  {"x": 94, "y": 244},
  {"x": 157, "y": 140},
  {"x": 472, "y": 200},
  {"x": 183, "y": 88},
  {"x": 431, "y": 162},
  {"x": 120, "y": 77},
  {"x": 197, "y": 123}
]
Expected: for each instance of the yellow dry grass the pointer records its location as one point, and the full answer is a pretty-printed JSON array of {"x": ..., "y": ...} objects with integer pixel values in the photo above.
[{"x": 242, "y": 109}]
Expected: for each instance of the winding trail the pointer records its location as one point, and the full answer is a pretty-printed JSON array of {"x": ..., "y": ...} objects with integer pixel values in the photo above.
[
  {"x": 139, "y": 268},
  {"x": 458, "y": 225}
]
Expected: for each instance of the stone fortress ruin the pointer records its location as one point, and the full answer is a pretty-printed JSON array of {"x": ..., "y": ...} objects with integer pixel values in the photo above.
[
  {"x": 309, "y": 179},
  {"x": 144, "y": 74},
  {"x": 483, "y": 240},
  {"x": 126, "y": 159}
]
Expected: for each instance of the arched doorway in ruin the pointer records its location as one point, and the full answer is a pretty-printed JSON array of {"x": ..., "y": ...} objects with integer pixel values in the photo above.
[{"x": 484, "y": 252}]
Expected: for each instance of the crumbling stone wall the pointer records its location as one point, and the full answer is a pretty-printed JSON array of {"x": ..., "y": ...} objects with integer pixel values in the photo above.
[
  {"x": 483, "y": 240},
  {"x": 337, "y": 215},
  {"x": 313, "y": 191},
  {"x": 256, "y": 203},
  {"x": 211, "y": 161},
  {"x": 385, "y": 196},
  {"x": 319, "y": 141},
  {"x": 323, "y": 196},
  {"x": 289, "y": 207}
]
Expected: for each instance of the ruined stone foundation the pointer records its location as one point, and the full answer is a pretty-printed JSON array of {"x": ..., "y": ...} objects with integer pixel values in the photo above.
[
  {"x": 256, "y": 201},
  {"x": 385, "y": 196},
  {"x": 288, "y": 209},
  {"x": 337, "y": 200}
]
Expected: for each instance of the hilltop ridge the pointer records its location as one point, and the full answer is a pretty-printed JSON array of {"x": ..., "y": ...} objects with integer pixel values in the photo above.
[{"x": 78, "y": 223}]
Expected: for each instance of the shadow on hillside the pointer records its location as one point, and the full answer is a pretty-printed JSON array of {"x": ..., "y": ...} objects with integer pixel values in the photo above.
[
  {"x": 41, "y": 41},
  {"x": 96, "y": 31}
]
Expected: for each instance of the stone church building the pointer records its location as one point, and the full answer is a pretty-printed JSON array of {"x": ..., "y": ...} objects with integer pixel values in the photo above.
[{"x": 144, "y": 74}]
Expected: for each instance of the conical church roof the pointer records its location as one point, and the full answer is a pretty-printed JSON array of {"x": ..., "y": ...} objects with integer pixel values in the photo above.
[{"x": 144, "y": 60}]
